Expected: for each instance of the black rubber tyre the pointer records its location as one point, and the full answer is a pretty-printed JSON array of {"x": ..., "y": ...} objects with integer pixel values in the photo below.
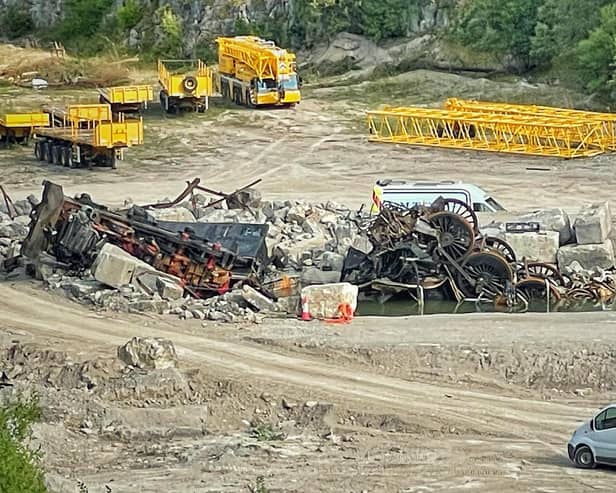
[
  {"x": 49, "y": 152},
  {"x": 190, "y": 84},
  {"x": 584, "y": 458},
  {"x": 37, "y": 150},
  {"x": 56, "y": 155}
]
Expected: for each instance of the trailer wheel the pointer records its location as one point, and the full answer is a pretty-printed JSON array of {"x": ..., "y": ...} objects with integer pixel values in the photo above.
[
  {"x": 37, "y": 150},
  {"x": 55, "y": 155},
  {"x": 49, "y": 152},
  {"x": 68, "y": 157},
  {"x": 164, "y": 101},
  {"x": 190, "y": 83}
]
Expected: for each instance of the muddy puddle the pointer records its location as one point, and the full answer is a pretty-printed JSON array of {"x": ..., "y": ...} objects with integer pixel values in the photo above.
[{"x": 398, "y": 308}]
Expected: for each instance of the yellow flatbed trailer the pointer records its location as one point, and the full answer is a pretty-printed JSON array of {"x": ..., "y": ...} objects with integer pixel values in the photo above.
[
  {"x": 127, "y": 99},
  {"x": 188, "y": 86},
  {"x": 82, "y": 141},
  {"x": 19, "y": 127}
]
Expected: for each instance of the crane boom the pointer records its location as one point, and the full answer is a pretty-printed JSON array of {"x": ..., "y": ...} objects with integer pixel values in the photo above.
[
  {"x": 264, "y": 58},
  {"x": 255, "y": 72}
]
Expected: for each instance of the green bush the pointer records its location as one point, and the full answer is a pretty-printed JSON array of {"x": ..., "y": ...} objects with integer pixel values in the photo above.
[
  {"x": 596, "y": 55},
  {"x": 16, "y": 22},
  {"x": 20, "y": 470},
  {"x": 498, "y": 27}
]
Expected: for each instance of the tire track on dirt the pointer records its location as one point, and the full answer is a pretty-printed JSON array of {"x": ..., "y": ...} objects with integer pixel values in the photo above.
[{"x": 435, "y": 406}]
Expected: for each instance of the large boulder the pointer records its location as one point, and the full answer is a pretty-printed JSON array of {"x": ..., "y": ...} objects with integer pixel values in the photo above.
[
  {"x": 593, "y": 224},
  {"x": 148, "y": 353},
  {"x": 115, "y": 267},
  {"x": 587, "y": 256},
  {"x": 537, "y": 247},
  {"x": 347, "y": 51},
  {"x": 324, "y": 301},
  {"x": 552, "y": 220}
]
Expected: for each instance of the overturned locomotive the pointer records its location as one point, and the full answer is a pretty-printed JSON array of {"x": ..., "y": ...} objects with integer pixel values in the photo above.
[{"x": 208, "y": 258}]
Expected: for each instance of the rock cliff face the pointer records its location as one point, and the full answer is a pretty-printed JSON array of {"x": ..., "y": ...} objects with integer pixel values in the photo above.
[{"x": 206, "y": 19}]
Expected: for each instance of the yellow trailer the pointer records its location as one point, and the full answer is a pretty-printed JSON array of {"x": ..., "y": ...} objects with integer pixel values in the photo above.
[
  {"x": 83, "y": 141},
  {"x": 18, "y": 127},
  {"x": 127, "y": 99},
  {"x": 185, "y": 85}
]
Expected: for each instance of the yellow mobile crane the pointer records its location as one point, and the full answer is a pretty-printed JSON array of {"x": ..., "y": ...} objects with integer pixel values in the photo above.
[
  {"x": 186, "y": 84},
  {"x": 255, "y": 72}
]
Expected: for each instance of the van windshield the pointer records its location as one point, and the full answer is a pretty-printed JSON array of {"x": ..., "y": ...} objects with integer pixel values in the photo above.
[{"x": 494, "y": 204}]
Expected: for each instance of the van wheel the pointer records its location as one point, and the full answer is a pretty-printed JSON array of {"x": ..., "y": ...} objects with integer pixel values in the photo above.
[{"x": 584, "y": 458}]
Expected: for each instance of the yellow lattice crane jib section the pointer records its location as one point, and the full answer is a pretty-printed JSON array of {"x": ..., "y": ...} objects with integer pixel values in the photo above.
[
  {"x": 606, "y": 141},
  {"x": 519, "y": 134}
]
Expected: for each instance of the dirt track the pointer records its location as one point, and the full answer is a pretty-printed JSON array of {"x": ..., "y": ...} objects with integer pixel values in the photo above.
[{"x": 468, "y": 425}]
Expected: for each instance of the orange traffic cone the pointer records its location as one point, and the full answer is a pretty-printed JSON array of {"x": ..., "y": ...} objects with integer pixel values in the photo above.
[{"x": 305, "y": 316}]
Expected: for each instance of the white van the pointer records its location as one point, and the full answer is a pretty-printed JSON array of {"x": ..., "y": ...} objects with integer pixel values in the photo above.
[{"x": 410, "y": 193}]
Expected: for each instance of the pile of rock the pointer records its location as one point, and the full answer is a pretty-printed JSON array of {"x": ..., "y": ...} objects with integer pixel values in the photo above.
[
  {"x": 13, "y": 231},
  {"x": 584, "y": 242},
  {"x": 303, "y": 238}
]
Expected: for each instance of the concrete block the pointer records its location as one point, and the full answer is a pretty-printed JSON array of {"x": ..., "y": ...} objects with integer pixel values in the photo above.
[
  {"x": 115, "y": 267},
  {"x": 169, "y": 288},
  {"x": 258, "y": 300},
  {"x": 151, "y": 281},
  {"x": 324, "y": 300},
  {"x": 587, "y": 256},
  {"x": 551, "y": 220},
  {"x": 538, "y": 247},
  {"x": 593, "y": 224}
]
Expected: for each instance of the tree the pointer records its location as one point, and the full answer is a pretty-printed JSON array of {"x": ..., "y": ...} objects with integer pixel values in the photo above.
[
  {"x": 501, "y": 27},
  {"x": 20, "y": 471},
  {"x": 16, "y": 21},
  {"x": 596, "y": 55},
  {"x": 561, "y": 25}
]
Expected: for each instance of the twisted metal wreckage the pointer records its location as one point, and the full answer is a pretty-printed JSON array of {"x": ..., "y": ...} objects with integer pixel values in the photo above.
[
  {"x": 74, "y": 229},
  {"x": 438, "y": 252},
  {"x": 427, "y": 252}
]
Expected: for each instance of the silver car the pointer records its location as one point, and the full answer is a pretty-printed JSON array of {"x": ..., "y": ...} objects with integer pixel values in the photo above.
[{"x": 595, "y": 442}]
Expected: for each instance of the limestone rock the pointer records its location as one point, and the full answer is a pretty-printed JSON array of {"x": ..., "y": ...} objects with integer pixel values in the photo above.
[
  {"x": 593, "y": 224},
  {"x": 552, "y": 220},
  {"x": 115, "y": 267},
  {"x": 324, "y": 300},
  {"x": 148, "y": 353},
  {"x": 538, "y": 247},
  {"x": 587, "y": 256}
]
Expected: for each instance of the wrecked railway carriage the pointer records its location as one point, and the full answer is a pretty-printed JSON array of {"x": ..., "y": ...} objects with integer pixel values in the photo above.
[{"x": 74, "y": 230}]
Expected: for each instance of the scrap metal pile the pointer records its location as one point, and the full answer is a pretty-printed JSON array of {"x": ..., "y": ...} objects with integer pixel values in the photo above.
[
  {"x": 438, "y": 252},
  {"x": 74, "y": 229}
]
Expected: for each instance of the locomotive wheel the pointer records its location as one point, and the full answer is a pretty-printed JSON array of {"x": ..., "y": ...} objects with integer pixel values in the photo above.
[
  {"x": 534, "y": 289},
  {"x": 542, "y": 271},
  {"x": 456, "y": 235},
  {"x": 501, "y": 247},
  {"x": 488, "y": 275},
  {"x": 460, "y": 208}
]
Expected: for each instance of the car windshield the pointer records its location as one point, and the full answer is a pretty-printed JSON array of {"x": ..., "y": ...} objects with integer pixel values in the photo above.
[{"x": 494, "y": 204}]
